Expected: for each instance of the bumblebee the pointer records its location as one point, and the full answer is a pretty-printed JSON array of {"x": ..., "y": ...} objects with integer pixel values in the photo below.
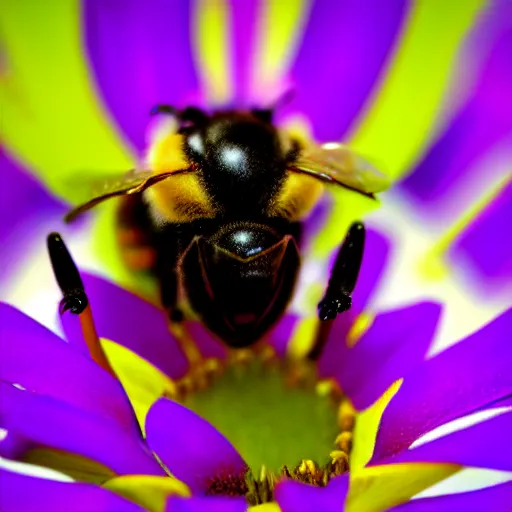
[{"x": 217, "y": 217}]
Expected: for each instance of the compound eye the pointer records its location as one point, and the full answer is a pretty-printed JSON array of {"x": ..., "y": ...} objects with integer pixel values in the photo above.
[
  {"x": 192, "y": 116},
  {"x": 195, "y": 145}
]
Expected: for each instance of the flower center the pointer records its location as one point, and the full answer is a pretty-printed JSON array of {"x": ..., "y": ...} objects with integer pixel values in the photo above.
[{"x": 283, "y": 421}]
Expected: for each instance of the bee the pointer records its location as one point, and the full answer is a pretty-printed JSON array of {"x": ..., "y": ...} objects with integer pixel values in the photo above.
[{"x": 217, "y": 217}]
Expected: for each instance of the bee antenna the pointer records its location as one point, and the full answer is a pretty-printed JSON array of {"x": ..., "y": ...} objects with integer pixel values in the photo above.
[
  {"x": 267, "y": 114},
  {"x": 163, "y": 109},
  {"x": 284, "y": 99},
  {"x": 75, "y": 299}
]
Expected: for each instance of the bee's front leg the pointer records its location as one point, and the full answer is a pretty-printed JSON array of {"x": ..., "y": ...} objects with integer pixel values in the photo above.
[
  {"x": 342, "y": 282},
  {"x": 344, "y": 274},
  {"x": 168, "y": 282}
]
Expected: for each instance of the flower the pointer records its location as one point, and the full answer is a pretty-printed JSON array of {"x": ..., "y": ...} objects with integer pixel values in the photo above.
[
  {"x": 397, "y": 447},
  {"x": 91, "y": 118}
]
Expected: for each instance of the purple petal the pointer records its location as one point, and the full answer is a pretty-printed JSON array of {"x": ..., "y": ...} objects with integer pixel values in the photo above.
[
  {"x": 315, "y": 222},
  {"x": 27, "y": 213},
  {"x": 132, "y": 322},
  {"x": 464, "y": 378},
  {"x": 189, "y": 446},
  {"x": 484, "y": 445},
  {"x": 27, "y": 493},
  {"x": 343, "y": 51},
  {"x": 56, "y": 424},
  {"x": 293, "y": 496},
  {"x": 40, "y": 361},
  {"x": 244, "y": 21},
  {"x": 13, "y": 446},
  {"x": 206, "y": 504},
  {"x": 281, "y": 334},
  {"x": 141, "y": 55},
  {"x": 496, "y": 499},
  {"x": 208, "y": 345},
  {"x": 485, "y": 249},
  {"x": 395, "y": 343},
  {"x": 375, "y": 257},
  {"x": 484, "y": 121}
]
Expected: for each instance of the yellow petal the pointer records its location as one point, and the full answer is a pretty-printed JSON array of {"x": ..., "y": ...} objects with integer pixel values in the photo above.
[
  {"x": 212, "y": 49},
  {"x": 149, "y": 383},
  {"x": 45, "y": 80},
  {"x": 302, "y": 337},
  {"x": 361, "y": 324},
  {"x": 347, "y": 207},
  {"x": 432, "y": 38},
  {"x": 280, "y": 30},
  {"x": 76, "y": 466},
  {"x": 367, "y": 424},
  {"x": 149, "y": 491},
  {"x": 434, "y": 266},
  {"x": 266, "y": 507},
  {"x": 378, "y": 488}
]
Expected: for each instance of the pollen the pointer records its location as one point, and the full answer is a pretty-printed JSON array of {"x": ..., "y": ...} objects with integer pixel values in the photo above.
[
  {"x": 228, "y": 484},
  {"x": 284, "y": 421}
]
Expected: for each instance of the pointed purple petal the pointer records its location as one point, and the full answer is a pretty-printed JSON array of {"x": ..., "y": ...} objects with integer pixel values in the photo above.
[
  {"x": 344, "y": 48},
  {"x": 483, "y": 122},
  {"x": 189, "y": 446},
  {"x": 132, "y": 322},
  {"x": 497, "y": 498},
  {"x": 292, "y": 496},
  {"x": 206, "y": 504},
  {"x": 56, "y": 424},
  {"x": 395, "y": 343},
  {"x": 27, "y": 213},
  {"x": 244, "y": 22},
  {"x": 375, "y": 258},
  {"x": 485, "y": 249},
  {"x": 464, "y": 378},
  {"x": 13, "y": 446},
  {"x": 208, "y": 345},
  {"x": 281, "y": 334},
  {"x": 314, "y": 223},
  {"x": 141, "y": 55},
  {"x": 40, "y": 361},
  {"x": 484, "y": 445},
  {"x": 27, "y": 493}
]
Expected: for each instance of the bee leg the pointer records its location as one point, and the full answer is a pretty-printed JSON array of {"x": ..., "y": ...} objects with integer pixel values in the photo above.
[
  {"x": 197, "y": 373},
  {"x": 342, "y": 282},
  {"x": 337, "y": 298},
  {"x": 168, "y": 280}
]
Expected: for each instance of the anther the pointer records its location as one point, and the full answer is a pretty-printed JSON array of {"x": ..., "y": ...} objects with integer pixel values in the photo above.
[
  {"x": 74, "y": 298},
  {"x": 346, "y": 416},
  {"x": 329, "y": 388},
  {"x": 344, "y": 441},
  {"x": 339, "y": 462}
]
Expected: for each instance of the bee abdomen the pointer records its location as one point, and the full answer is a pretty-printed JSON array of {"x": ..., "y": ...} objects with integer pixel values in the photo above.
[{"x": 133, "y": 236}]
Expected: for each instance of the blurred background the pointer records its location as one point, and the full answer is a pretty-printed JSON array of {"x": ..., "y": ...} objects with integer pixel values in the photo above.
[{"x": 420, "y": 88}]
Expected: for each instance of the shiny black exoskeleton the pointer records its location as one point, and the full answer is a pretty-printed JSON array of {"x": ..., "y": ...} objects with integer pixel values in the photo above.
[{"x": 239, "y": 268}]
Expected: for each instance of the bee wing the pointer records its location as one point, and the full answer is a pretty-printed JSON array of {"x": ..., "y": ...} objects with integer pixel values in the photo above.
[
  {"x": 337, "y": 163},
  {"x": 133, "y": 182}
]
